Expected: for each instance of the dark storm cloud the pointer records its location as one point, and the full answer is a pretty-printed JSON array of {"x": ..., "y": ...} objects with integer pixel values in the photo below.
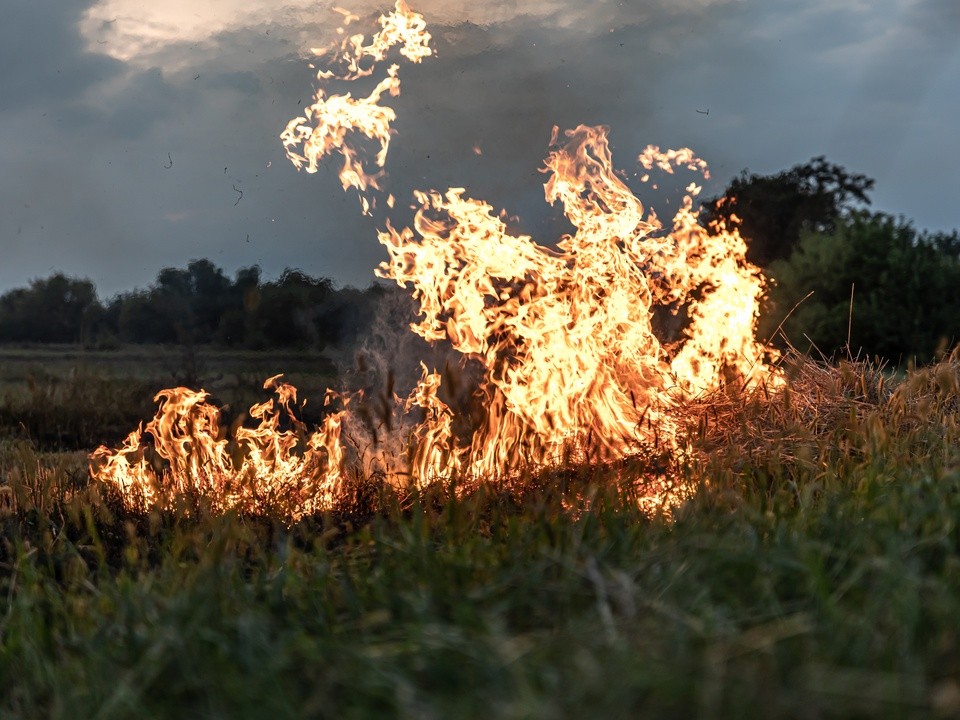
[
  {"x": 939, "y": 18},
  {"x": 898, "y": 109},
  {"x": 502, "y": 89},
  {"x": 128, "y": 112},
  {"x": 175, "y": 154},
  {"x": 43, "y": 57},
  {"x": 130, "y": 172}
]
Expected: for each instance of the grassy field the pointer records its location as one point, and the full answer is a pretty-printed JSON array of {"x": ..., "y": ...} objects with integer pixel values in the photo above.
[
  {"x": 65, "y": 397},
  {"x": 815, "y": 573}
]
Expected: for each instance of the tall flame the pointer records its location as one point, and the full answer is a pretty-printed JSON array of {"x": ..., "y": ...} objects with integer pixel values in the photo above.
[
  {"x": 573, "y": 365},
  {"x": 326, "y": 125},
  {"x": 566, "y": 336}
]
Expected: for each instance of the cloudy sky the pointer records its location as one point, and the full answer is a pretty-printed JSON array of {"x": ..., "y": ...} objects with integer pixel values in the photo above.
[{"x": 130, "y": 128}]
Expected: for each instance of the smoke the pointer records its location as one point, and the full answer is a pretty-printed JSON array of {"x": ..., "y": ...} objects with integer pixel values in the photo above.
[{"x": 380, "y": 371}]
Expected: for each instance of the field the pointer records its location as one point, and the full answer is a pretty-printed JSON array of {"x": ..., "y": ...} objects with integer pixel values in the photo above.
[{"x": 815, "y": 572}]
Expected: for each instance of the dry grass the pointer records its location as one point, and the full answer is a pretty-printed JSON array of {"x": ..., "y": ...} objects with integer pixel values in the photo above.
[
  {"x": 828, "y": 422},
  {"x": 814, "y": 572}
]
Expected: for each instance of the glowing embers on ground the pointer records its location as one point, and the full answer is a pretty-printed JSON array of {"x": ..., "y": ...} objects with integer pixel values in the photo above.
[
  {"x": 193, "y": 453},
  {"x": 580, "y": 353}
]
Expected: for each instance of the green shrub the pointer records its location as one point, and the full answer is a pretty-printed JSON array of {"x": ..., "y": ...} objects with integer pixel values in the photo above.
[{"x": 905, "y": 285}]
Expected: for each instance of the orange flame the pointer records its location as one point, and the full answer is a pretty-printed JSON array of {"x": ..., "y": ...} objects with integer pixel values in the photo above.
[
  {"x": 566, "y": 337},
  {"x": 256, "y": 467},
  {"x": 574, "y": 366},
  {"x": 325, "y": 126}
]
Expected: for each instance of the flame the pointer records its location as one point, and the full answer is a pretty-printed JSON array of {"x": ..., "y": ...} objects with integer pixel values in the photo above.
[
  {"x": 566, "y": 336},
  {"x": 250, "y": 468},
  {"x": 573, "y": 365},
  {"x": 327, "y": 124}
]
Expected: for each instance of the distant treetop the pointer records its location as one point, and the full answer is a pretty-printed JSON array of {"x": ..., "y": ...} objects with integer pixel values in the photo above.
[{"x": 773, "y": 210}]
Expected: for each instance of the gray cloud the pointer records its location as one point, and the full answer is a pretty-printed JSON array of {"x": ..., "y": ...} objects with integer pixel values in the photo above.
[
  {"x": 89, "y": 187},
  {"x": 43, "y": 58},
  {"x": 938, "y": 18}
]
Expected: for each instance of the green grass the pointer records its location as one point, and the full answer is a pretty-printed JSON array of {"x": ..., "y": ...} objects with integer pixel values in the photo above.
[{"x": 815, "y": 573}]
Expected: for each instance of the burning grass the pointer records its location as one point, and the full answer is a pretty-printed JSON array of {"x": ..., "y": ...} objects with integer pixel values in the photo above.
[
  {"x": 816, "y": 569},
  {"x": 812, "y": 426},
  {"x": 563, "y": 335},
  {"x": 72, "y": 398},
  {"x": 633, "y": 526}
]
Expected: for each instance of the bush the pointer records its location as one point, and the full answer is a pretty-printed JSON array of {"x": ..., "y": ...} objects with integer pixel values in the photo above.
[{"x": 906, "y": 290}]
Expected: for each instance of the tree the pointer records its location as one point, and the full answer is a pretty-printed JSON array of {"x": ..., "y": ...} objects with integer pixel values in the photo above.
[
  {"x": 347, "y": 313},
  {"x": 56, "y": 309},
  {"x": 193, "y": 300},
  {"x": 210, "y": 298},
  {"x": 140, "y": 319},
  {"x": 773, "y": 210},
  {"x": 185, "y": 306},
  {"x": 287, "y": 313},
  {"x": 198, "y": 304},
  {"x": 906, "y": 289},
  {"x": 236, "y": 324}
]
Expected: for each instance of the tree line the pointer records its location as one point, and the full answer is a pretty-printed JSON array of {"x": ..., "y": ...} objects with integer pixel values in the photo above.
[
  {"x": 842, "y": 279},
  {"x": 198, "y": 304}
]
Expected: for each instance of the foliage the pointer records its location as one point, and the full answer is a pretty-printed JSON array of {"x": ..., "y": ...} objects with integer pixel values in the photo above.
[
  {"x": 286, "y": 312},
  {"x": 905, "y": 284},
  {"x": 774, "y": 210},
  {"x": 57, "y": 309},
  {"x": 197, "y": 305},
  {"x": 806, "y": 227}
]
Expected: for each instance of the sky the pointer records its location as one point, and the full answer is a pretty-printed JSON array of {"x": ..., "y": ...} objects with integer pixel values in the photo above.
[{"x": 141, "y": 135}]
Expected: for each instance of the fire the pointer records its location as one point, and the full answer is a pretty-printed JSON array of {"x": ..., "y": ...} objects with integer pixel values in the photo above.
[
  {"x": 566, "y": 336},
  {"x": 327, "y": 124},
  {"x": 574, "y": 366},
  {"x": 257, "y": 467}
]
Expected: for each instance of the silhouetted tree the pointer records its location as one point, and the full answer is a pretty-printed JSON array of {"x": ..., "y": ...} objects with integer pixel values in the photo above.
[
  {"x": 237, "y": 321},
  {"x": 210, "y": 298},
  {"x": 192, "y": 301},
  {"x": 288, "y": 310},
  {"x": 56, "y": 309},
  {"x": 141, "y": 319},
  {"x": 198, "y": 304},
  {"x": 347, "y": 313},
  {"x": 773, "y": 210}
]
